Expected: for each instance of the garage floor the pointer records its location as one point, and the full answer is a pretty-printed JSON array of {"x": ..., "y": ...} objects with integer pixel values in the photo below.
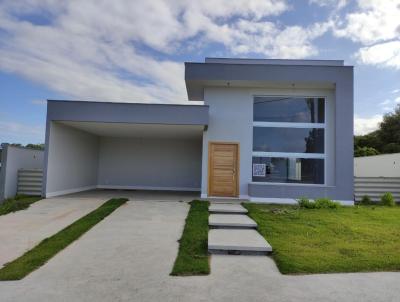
[
  {"x": 129, "y": 255},
  {"x": 139, "y": 195}
]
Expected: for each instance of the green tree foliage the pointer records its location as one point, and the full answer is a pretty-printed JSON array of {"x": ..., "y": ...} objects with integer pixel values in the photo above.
[
  {"x": 35, "y": 146},
  {"x": 365, "y": 151},
  {"x": 31, "y": 146},
  {"x": 384, "y": 140}
]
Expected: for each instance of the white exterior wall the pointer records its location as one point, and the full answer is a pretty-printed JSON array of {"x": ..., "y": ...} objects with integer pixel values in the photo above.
[
  {"x": 72, "y": 160},
  {"x": 149, "y": 163},
  {"x": 385, "y": 165},
  {"x": 231, "y": 120},
  {"x": 16, "y": 158}
]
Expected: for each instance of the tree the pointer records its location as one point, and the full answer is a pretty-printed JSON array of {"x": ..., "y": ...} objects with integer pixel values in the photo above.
[
  {"x": 390, "y": 131},
  {"x": 384, "y": 140},
  {"x": 31, "y": 146},
  {"x": 365, "y": 151},
  {"x": 35, "y": 146}
]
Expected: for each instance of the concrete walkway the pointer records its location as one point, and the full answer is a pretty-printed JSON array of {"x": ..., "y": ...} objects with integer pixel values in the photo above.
[
  {"x": 233, "y": 232},
  {"x": 129, "y": 255}
]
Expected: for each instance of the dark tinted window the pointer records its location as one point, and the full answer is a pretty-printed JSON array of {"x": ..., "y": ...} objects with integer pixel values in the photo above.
[
  {"x": 297, "y": 140},
  {"x": 288, "y": 170},
  {"x": 288, "y": 109}
]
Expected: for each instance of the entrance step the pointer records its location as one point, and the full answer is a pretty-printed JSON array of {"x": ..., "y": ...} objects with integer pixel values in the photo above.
[
  {"x": 237, "y": 241},
  {"x": 227, "y": 208},
  {"x": 231, "y": 221}
]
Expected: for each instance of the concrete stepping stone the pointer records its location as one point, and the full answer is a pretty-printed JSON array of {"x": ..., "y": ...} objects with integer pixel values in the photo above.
[
  {"x": 231, "y": 221},
  {"x": 227, "y": 208},
  {"x": 237, "y": 241}
]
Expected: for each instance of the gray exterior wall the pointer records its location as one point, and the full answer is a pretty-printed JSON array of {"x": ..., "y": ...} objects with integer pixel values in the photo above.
[
  {"x": 72, "y": 160},
  {"x": 134, "y": 163},
  {"x": 231, "y": 118},
  {"x": 13, "y": 159}
]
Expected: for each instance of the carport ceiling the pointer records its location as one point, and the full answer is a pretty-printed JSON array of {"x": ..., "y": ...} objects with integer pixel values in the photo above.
[{"x": 138, "y": 130}]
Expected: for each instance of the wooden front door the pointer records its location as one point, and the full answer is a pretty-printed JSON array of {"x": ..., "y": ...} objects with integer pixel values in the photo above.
[{"x": 223, "y": 169}]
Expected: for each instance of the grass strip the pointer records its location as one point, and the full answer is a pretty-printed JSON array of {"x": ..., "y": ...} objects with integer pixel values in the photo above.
[
  {"x": 347, "y": 239},
  {"x": 46, "y": 249},
  {"x": 193, "y": 256},
  {"x": 19, "y": 202}
]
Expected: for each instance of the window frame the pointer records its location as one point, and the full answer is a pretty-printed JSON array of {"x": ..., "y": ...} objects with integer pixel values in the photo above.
[{"x": 290, "y": 154}]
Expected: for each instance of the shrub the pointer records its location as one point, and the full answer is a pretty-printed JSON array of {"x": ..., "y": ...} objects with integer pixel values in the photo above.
[
  {"x": 319, "y": 203},
  {"x": 366, "y": 200},
  {"x": 387, "y": 199},
  {"x": 326, "y": 203},
  {"x": 305, "y": 203}
]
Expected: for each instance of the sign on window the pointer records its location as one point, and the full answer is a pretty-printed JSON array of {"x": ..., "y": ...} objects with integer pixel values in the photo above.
[{"x": 259, "y": 170}]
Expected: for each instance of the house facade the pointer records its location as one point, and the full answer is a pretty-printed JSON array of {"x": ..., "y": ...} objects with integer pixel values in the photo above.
[{"x": 268, "y": 131}]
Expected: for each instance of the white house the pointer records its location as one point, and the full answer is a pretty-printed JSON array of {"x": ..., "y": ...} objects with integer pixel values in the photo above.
[{"x": 269, "y": 130}]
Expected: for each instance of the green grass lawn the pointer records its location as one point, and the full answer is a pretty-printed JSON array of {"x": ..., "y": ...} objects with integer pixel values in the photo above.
[
  {"x": 192, "y": 256},
  {"x": 19, "y": 202},
  {"x": 50, "y": 246},
  {"x": 348, "y": 239}
]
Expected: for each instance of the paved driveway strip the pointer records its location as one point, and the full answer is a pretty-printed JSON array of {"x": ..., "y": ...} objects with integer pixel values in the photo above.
[
  {"x": 22, "y": 230},
  {"x": 129, "y": 255}
]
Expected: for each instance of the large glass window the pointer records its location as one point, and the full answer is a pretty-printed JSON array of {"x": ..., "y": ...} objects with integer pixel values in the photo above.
[
  {"x": 288, "y": 170},
  {"x": 298, "y": 140},
  {"x": 288, "y": 140},
  {"x": 289, "y": 109}
]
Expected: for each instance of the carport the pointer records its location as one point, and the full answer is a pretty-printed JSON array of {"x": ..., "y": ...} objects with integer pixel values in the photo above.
[{"x": 123, "y": 146}]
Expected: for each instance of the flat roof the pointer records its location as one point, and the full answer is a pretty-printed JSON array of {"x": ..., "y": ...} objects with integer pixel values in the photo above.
[
  {"x": 135, "y": 113},
  {"x": 131, "y": 103},
  {"x": 275, "y": 61},
  {"x": 260, "y": 73}
]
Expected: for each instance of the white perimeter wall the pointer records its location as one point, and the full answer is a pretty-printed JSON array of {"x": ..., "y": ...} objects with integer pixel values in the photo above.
[
  {"x": 386, "y": 165},
  {"x": 152, "y": 163},
  {"x": 72, "y": 160},
  {"x": 16, "y": 158},
  {"x": 231, "y": 120}
]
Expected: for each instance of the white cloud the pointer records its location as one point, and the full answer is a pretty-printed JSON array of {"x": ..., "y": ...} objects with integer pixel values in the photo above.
[
  {"x": 14, "y": 132},
  {"x": 272, "y": 41},
  {"x": 375, "y": 24},
  {"x": 374, "y": 21},
  {"x": 39, "y": 102},
  {"x": 384, "y": 54},
  {"x": 389, "y": 105},
  {"x": 364, "y": 125},
  {"x": 338, "y": 4},
  {"x": 94, "y": 49}
]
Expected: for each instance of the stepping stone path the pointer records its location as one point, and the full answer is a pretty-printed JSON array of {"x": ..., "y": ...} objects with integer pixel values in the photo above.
[
  {"x": 233, "y": 232},
  {"x": 231, "y": 221}
]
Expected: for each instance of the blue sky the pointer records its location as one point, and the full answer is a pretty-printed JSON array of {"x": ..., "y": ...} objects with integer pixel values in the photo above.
[{"x": 133, "y": 51}]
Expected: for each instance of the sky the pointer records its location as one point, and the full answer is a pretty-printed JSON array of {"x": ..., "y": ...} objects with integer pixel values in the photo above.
[{"x": 133, "y": 51}]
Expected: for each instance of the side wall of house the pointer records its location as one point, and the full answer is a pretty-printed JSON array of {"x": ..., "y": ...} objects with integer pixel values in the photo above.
[
  {"x": 231, "y": 120},
  {"x": 72, "y": 160},
  {"x": 149, "y": 163},
  {"x": 13, "y": 159}
]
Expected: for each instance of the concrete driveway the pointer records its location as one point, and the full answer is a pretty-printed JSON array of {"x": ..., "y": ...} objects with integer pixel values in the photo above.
[
  {"x": 22, "y": 230},
  {"x": 129, "y": 255}
]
